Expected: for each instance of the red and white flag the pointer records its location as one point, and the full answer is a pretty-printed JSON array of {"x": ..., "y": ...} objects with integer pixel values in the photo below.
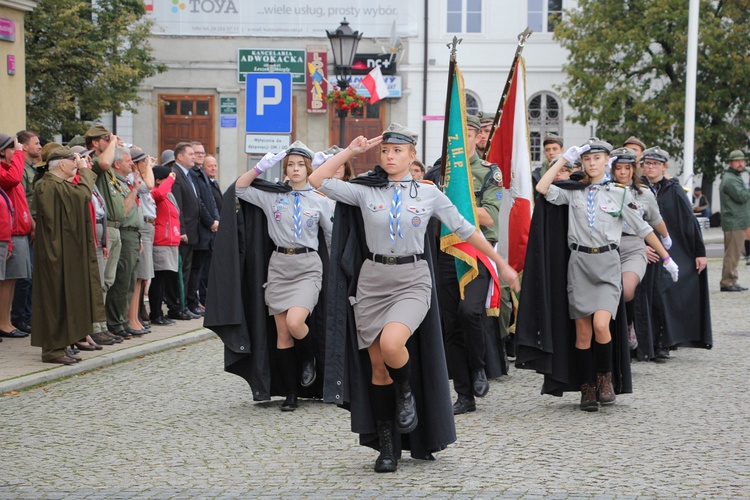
[
  {"x": 375, "y": 85},
  {"x": 510, "y": 151}
]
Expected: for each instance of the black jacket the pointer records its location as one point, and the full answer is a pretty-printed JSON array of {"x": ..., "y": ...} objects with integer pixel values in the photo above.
[
  {"x": 235, "y": 306},
  {"x": 189, "y": 205},
  {"x": 209, "y": 212},
  {"x": 348, "y": 370},
  {"x": 545, "y": 334}
]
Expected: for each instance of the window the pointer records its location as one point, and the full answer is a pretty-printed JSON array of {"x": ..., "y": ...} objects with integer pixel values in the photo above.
[
  {"x": 545, "y": 118},
  {"x": 472, "y": 103},
  {"x": 464, "y": 16},
  {"x": 544, "y": 15}
]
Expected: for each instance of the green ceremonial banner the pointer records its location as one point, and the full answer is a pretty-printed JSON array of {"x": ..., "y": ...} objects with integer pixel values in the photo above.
[{"x": 458, "y": 183}]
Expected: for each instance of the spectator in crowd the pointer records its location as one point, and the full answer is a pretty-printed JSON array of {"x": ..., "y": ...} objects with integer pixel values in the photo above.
[
  {"x": 735, "y": 219},
  {"x": 32, "y": 150},
  {"x": 417, "y": 170},
  {"x": 701, "y": 207},
  {"x": 18, "y": 265},
  {"x": 211, "y": 168},
  {"x": 67, "y": 299},
  {"x": 167, "y": 236},
  {"x": 209, "y": 224},
  {"x": 143, "y": 165}
]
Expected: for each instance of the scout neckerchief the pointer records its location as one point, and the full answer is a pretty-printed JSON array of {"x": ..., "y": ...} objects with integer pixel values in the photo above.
[{"x": 591, "y": 202}]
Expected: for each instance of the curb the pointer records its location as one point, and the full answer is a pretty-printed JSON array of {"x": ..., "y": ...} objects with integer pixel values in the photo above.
[{"x": 63, "y": 371}]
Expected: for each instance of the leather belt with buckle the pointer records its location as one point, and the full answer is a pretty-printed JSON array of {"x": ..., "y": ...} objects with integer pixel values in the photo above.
[
  {"x": 392, "y": 260},
  {"x": 293, "y": 251},
  {"x": 595, "y": 250}
]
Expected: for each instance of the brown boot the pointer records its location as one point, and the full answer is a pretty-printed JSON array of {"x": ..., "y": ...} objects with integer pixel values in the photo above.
[
  {"x": 605, "y": 393},
  {"x": 588, "y": 398}
]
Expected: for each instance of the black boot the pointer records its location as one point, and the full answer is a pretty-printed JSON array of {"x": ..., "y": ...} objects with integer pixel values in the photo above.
[
  {"x": 288, "y": 371},
  {"x": 308, "y": 375},
  {"x": 386, "y": 461},
  {"x": 406, "y": 406}
]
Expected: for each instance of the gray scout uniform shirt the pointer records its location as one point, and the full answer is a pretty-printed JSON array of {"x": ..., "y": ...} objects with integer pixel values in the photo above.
[
  {"x": 419, "y": 202},
  {"x": 607, "y": 229},
  {"x": 646, "y": 206},
  {"x": 279, "y": 210}
]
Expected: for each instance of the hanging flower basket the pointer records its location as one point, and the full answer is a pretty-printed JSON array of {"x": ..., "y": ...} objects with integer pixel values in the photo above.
[{"x": 344, "y": 100}]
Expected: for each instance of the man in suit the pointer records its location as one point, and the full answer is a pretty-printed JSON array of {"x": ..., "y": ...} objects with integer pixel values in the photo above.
[
  {"x": 211, "y": 170},
  {"x": 188, "y": 202},
  {"x": 209, "y": 224}
]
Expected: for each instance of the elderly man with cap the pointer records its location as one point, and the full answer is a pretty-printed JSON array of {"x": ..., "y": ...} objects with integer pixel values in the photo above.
[
  {"x": 67, "y": 297},
  {"x": 463, "y": 318},
  {"x": 681, "y": 315},
  {"x": 18, "y": 264},
  {"x": 735, "y": 219}
]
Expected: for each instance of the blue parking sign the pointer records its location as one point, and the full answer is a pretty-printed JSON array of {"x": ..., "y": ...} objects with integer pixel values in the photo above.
[{"x": 268, "y": 103}]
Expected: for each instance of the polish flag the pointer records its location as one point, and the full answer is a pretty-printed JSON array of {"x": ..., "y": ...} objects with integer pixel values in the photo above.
[
  {"x": 509, "y": 149},
  {"x": 375, "y": 85}
]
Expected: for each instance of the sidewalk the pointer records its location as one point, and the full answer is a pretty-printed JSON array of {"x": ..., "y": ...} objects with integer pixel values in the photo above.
[{"x": 21, "y": 364}]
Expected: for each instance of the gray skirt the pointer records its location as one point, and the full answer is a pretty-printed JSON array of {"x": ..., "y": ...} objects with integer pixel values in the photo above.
[
  {"x": 390, "y": 294},
  {"x": 594, "y": 283},
  {"x": 166, "y": 258},
  {"x": 3, "y": 257},
  {"x": 633, "y": 255},
  {"x": 145, "y": 269},
  {"x": 18, "y": 267},
  {"x": 293, "y": 281}
]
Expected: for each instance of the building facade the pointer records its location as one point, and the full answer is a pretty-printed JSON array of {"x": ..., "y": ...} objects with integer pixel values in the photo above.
[{"x": 13, "y": 61}]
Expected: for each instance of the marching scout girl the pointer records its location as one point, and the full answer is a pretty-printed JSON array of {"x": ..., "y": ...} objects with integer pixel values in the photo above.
[
  {"x": 295, "y": 271},
  {"x": 595, "y": 223},
  {"x": 632, "y": 250},
  {"x": 395, "y": 285}
]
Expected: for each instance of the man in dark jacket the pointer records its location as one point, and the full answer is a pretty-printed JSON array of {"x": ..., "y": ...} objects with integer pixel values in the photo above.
[
  {"x": 209, "y": 224},
  {"x": 735, "y": 219},
  {"x": 211, "y": 169}
]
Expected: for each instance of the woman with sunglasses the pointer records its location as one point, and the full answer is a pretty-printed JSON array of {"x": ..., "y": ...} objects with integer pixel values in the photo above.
[
  {"x": 632, "y": 250},
  {"x": 595, "y": 220}
]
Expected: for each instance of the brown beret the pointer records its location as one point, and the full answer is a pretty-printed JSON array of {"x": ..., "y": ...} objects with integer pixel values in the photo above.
[{"x": 96, "y": 131}]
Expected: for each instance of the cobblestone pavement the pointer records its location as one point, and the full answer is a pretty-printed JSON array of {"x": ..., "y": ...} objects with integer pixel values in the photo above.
[{"x": 174, "y": 425}]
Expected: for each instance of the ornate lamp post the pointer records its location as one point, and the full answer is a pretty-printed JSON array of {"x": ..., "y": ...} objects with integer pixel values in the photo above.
[{"x": 344, "y": 43}]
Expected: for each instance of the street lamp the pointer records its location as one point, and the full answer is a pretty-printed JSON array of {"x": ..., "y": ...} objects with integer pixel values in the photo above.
[{"x": 344, "y": 43}]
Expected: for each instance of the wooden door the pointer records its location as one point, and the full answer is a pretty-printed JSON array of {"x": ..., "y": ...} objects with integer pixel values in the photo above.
[
  {"x": 185, "y": 118},
  {"x": 368, "y": 121}
]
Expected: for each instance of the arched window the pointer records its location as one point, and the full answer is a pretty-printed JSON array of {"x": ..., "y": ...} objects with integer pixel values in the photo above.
[
  {"x": 545, "y": 117},
  {"x": 472, "y": 103}
]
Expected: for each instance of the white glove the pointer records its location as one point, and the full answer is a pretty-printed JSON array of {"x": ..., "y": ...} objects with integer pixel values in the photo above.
[
  {"x": 269, "y": 161},
  {"x": 575, "y": 152},
  {"x": 667, "y": 242},
  {"x": 672, "y": 269},
  {"x": 319, "y": 159}
]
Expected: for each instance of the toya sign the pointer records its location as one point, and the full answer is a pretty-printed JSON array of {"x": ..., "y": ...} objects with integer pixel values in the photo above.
[{"x": 271, "y": 61}]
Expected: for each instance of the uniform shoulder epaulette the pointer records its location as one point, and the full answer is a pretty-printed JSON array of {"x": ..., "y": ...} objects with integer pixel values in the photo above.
[
  {"x": 425, "y": 181},
  {"x": 321, "y": 194},
  {"x": 486, "y": 163},
  {"x": 617, "y": 184}
]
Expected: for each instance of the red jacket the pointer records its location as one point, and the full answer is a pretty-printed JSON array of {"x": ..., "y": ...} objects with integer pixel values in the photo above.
[
  {"x": 167, "y": 223},
  {"x": 10, "y": 182},
  {"x": 6, "y": 219}
]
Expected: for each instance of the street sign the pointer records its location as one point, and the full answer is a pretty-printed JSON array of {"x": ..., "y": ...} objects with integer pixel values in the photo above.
[
  {"x": 271, "y": 61},
  {"x": 228, "y": 105},
  {"x": 268, "y": 103},
  {"x": 262, "y": 144},
  {"x": 228, "y": 121}
]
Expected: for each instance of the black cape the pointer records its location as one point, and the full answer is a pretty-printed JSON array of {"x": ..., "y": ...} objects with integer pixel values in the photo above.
[
  {"x": 681, "y": 311},
  {"x": 235, "y": 303},
  {"x": 545, "y": 334},
  {"x": 348, "y": 370}
]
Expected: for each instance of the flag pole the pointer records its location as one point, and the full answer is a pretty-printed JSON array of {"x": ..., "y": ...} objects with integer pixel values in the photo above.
[
  {"x": 522, "y": 37},
  {"x": 451, "y": 69}
]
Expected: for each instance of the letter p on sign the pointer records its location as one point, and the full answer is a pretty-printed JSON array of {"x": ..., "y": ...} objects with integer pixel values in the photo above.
[{"x": 268, "y": 103}]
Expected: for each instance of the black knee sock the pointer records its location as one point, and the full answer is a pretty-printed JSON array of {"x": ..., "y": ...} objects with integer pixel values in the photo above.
[
  {"x": 630, "y": 311},
  {"x": 747, "y": 247},
  {"x": 304, "y": 347},
  {"x": 603, "y": 355},
  {"x": 382, "y": 401},
  {"x": 287, "y": 370},
  {"x": 585, "y": 358},
  {"x": 400, "y": 374}
]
